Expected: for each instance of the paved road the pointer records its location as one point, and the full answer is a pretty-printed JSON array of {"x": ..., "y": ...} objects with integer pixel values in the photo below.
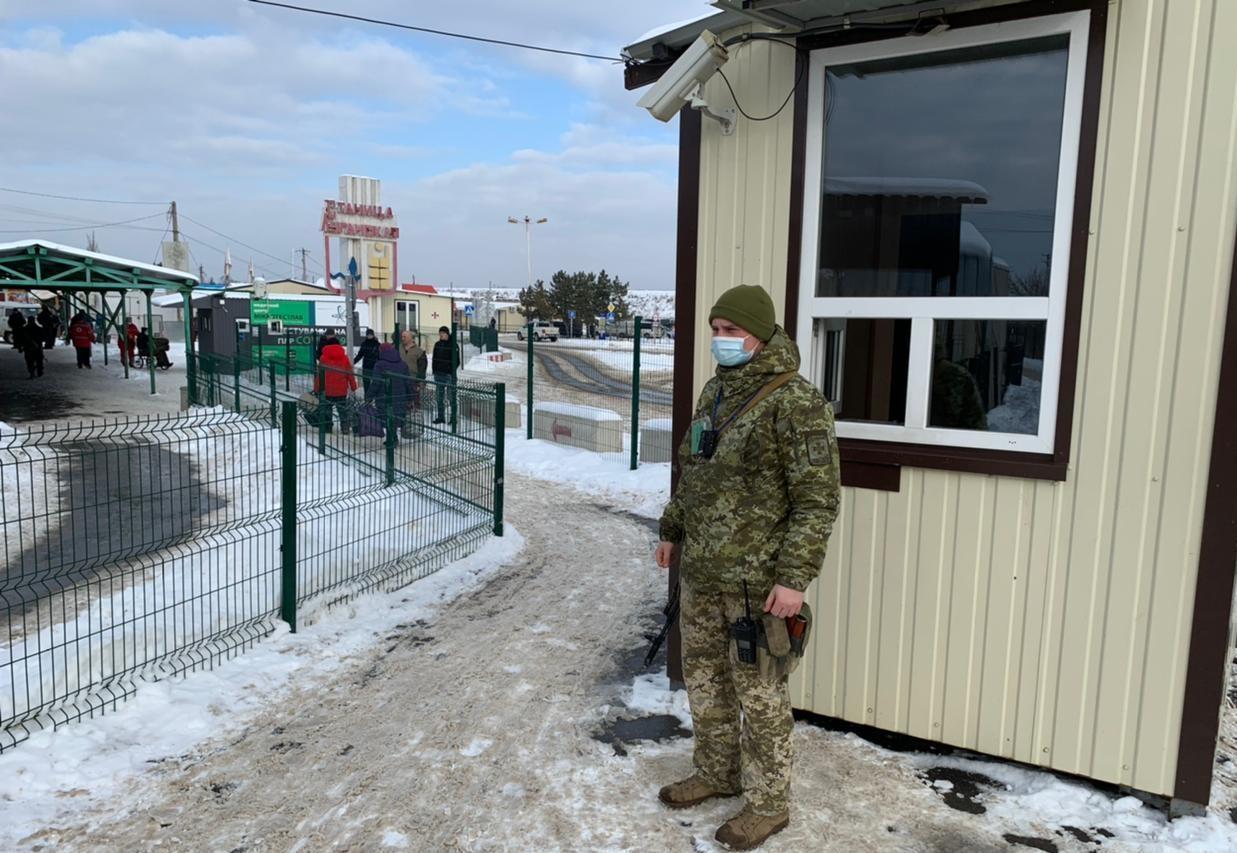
[{"x": 570, "y": 368}]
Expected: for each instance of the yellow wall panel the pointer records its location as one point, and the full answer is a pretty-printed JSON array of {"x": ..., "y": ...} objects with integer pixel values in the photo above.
[{"x": 1047, "y": 622}]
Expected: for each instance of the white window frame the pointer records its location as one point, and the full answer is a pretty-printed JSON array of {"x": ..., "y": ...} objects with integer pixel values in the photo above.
[{"x": 922, "y": 311}]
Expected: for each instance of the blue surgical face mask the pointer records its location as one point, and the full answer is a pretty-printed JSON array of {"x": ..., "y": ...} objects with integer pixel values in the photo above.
[{"x": 729, "y": 352}]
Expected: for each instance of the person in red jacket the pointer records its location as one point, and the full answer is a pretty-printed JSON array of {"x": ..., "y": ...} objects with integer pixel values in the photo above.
[
  {"x": 82, "y": 336},
  {"x": 335, "y": 380},
  {"x": 129, "y": 348}
]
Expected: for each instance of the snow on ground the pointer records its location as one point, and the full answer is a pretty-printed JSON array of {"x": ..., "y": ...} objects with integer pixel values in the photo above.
[
  {"x": 48, "y": 772},
  {"x": 606, "y": 477}
]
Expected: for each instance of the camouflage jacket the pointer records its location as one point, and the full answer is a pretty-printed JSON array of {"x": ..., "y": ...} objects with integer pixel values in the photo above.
[{"x": 762, "y": 508}]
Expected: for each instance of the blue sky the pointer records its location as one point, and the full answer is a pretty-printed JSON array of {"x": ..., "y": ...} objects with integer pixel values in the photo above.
[{"x": 246, "y": 115}]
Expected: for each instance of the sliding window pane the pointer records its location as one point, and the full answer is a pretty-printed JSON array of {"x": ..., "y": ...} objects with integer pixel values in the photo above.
[
  {"x": 864, "y": 368},
  {"x": 986, "y": 375},
  {"x": 940, "y": 172}
]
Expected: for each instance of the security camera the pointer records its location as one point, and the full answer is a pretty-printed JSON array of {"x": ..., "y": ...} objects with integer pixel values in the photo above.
[{"x": 681, "y": 83}]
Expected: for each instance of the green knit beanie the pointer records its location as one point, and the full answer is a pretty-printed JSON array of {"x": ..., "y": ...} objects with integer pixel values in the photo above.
[{"x": 748, "y": 306}]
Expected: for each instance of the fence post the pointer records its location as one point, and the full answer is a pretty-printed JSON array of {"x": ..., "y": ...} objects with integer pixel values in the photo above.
[
  {"x": 287, "y": 543},
  {"x": 457, "y": 356},
  {"x": 323, "y": 411},
  {"x": 236, "y": 383},
  {"x": 274, "y": 392},
  {"x": 529, "y": 413},
  {"x": 635, "y": 398},
  {"x": 500, "y": 437},
  {"x": 392, "y": 439}
]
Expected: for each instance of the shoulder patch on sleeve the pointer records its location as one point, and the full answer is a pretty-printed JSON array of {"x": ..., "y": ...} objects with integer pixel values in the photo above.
[{"x": 818, "y": 452}]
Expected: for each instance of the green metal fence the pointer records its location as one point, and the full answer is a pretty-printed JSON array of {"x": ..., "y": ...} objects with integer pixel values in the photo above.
[
  {"x": 609, "y": 396},
  {"x": 145, "y": 547}
]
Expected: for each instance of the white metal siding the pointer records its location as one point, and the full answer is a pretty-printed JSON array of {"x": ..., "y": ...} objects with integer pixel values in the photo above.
[{"x": 1044, "y": 622}]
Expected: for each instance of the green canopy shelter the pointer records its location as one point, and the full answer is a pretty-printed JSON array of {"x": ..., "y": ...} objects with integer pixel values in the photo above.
[{"x": 74, "y": 274}]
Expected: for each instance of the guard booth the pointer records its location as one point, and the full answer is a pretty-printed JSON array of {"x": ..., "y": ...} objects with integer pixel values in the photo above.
[
  {"x": 1002, "y": 233},
  {"x": 97, "y": 284}
]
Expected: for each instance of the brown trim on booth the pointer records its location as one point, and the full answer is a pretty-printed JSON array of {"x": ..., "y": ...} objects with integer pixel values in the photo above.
[
  {"x": 1213, "y": 591},
  {"x": 798, "y": 160},
  {"x": 1048, "y": 466},
  {"x": 872, "y": 475},
  {"x": 682, "y": 399}
]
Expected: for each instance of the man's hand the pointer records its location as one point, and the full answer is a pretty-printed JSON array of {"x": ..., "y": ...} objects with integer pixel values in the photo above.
[
  {"x": 783, "y": 602},
  {"x": 666, "y": 554}
]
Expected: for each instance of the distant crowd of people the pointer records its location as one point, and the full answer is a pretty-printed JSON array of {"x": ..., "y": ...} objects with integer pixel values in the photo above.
[
  {"x": 392, "y": 378},
  {"x": 31, "y": 335}
]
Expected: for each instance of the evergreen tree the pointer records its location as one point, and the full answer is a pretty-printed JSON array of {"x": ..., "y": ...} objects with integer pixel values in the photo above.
[{"x": 535, "y": 302}]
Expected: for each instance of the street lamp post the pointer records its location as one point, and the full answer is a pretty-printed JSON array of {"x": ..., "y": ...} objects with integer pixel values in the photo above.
[{"x": 528, "y": 223}]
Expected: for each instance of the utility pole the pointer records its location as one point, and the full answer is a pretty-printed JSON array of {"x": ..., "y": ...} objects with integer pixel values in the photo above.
[
  {"x": 175, "y": 225},
  {"x": 304, "y": 264}
]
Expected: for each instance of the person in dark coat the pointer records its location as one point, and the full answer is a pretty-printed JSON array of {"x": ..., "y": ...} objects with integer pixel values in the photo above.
[
  {"x": 392, "y": 386},
  {"x": 50, "y": 325},
  {"x": 30, "y": 342},
  {"x": 443, "y": 365},
  {"x": 17, "y": 322},
  {"x": 82, "y": 336},
  {"x": 367, "y": 355},
  {"x": 143, "y": 343}
]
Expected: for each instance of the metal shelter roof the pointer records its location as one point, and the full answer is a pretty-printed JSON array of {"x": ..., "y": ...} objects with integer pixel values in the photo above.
[
  {"x": 30, "y": 264},
  {"x": 791, "y": 17}
]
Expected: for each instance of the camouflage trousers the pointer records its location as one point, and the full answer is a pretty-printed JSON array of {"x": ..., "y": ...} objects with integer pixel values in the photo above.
[{"x": 742, "y": 722}]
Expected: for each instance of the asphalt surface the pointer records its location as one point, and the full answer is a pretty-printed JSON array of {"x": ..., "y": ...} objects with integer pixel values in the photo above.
[
  {"x": 573, "y": 370},
  {"x": 115, "y": 502}
]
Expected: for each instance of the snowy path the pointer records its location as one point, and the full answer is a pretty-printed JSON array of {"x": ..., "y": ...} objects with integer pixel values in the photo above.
[{"x": 474, "y": 729}]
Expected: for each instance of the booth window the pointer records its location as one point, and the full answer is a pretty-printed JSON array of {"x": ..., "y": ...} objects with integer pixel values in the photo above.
[{"x": 939, "y": 203}]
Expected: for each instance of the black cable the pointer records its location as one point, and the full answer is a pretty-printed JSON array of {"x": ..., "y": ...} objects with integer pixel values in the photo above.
[
  {"x": 385, "y": 23},
  {"x": 234, "y": 239},
  {"x": 79, "y": 227},
  {"x": 774, "y": 114},
  {"x": 79, "y": 198}
]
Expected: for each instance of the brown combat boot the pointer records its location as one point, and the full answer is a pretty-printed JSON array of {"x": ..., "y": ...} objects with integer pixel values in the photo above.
[
  {"x": 689, "y": 792},
  {"x": 748, "y": 830}
]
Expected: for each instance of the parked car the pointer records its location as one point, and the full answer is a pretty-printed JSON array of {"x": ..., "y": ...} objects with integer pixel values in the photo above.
[{"x": 541, "y": 332}]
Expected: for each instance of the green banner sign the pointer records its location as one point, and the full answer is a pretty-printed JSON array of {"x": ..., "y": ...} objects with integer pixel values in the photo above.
[{"x": 290, "y": 311}]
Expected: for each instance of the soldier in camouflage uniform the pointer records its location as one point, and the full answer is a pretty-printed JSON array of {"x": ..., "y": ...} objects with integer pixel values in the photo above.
[{"x": 759, "y": 510}]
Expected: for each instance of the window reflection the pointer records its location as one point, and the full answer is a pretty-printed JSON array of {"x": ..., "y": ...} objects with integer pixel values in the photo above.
[
  {"x": 864, "y": 367},
  {"x": 986, "y": 375},
  {"x": 940, "y": 172}
]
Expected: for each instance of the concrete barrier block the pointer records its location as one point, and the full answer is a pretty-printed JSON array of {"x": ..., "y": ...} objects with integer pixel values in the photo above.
[
  {"x": 599, "y": 430},
  {"x": 656, "y": 441},
  {"x": 482, "y": 411}
]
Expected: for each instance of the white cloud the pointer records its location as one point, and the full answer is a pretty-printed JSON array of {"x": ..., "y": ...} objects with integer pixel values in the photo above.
[{"x": 246, "y": 114}]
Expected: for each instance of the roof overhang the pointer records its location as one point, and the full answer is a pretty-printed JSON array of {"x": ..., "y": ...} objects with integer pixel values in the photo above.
[
  {"x": 52, "y": 266},
  {"x": 654, "y": 52}
]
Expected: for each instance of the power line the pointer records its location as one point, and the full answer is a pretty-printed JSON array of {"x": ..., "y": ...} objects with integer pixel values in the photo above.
[
  {"x": 78, "y": 198},
  {"x": 384, "y": 23},
  {"x": 80, "y": 227},
  {"x": 234, "y": 240}
]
